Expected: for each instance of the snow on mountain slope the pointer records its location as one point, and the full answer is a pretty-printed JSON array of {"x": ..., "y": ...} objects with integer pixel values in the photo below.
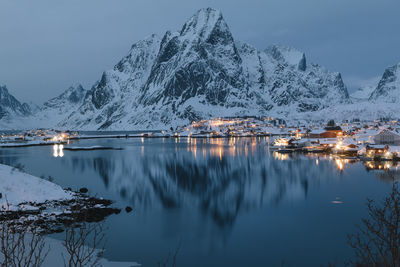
[
  {"x": 388, "y": 89},
  {"x": 201, "y": 72},
  {"x": 73, "y": 95},
  {"x": 364, "y": 111},
  {"x": 50, "y": 113},
  {"x": 372, "y": 101},
  {"x": 57, "y": 108},
  {"x": 11, "y": 108},
  {"x": 288, "y": 55},
  {"x": 9, "y": 105},
  {"x": 116, "y": 95},
  {"x": 362, "y": 93}
]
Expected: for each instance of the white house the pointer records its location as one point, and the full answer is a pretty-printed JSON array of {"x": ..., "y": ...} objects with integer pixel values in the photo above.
[{"x": 387, "y": 137}]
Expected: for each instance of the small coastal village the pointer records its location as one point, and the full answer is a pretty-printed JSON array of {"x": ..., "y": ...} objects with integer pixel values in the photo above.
[{"x": 376, "y": 143}]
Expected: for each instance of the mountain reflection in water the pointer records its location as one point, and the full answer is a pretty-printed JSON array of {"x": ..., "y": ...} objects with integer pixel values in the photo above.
[{"x": 218, "y": 177}]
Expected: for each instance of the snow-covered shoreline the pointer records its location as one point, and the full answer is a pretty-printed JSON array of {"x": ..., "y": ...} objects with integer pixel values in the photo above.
[
  {"x": 17, "y": 188},
  {"x": 26, "y": 198},
  {"x": 29, "y": 201}
]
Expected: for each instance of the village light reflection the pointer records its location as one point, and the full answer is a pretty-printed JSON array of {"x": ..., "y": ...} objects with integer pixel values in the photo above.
[
  {"x": 219, "y": 147},
  {"x": 280, "y": 156},
  {"x": 339, "y": 164},
  {"x": 58, "y": 150}
]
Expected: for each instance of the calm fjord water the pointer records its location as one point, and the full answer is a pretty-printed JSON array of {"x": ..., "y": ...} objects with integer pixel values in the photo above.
[{"x": 227, "y": 202}]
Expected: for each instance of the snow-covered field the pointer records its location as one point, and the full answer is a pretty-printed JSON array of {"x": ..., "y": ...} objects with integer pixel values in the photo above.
[{"x": 17, "y": 187}]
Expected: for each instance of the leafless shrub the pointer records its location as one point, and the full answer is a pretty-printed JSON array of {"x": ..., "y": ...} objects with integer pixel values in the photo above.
[
  {"x": 22, "y": 247},
  {"x": 377, "y": 240},
  {"x": 171, "y": 258},
  {"x": 84, "y": 243}
]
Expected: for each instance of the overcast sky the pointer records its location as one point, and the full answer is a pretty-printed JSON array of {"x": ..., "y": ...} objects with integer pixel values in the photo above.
[{"x": 47, "y": 45}]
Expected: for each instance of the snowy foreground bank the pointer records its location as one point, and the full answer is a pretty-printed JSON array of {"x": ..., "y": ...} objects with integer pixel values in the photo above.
[
  {"x": 28, "y": 201},
  {"x": 30, "y": 205},
  {"x": 17, "y": 188}
]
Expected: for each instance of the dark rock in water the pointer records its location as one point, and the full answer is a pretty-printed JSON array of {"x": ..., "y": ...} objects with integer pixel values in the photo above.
[
  {"x": 128, "y": 209},
  {"x": 1, "y": 195},
  {"x": 83, "y": 190},
  {"x": 68, "y": 189}
]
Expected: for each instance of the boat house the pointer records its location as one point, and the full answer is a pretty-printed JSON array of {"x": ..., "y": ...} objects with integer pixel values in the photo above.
[{"x": 376, "y": 150}]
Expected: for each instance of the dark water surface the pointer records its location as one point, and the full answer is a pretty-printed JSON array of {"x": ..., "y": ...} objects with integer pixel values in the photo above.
[{"x": 227, "y": 202}]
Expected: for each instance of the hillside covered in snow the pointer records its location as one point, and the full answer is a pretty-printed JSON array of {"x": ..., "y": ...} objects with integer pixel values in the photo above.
[{"x": 369, "y": 103}]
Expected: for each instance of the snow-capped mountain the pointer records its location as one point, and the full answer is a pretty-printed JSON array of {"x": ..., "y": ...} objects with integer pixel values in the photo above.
[
  {"x": 74, "y": 95},
  {"x": 201, "y": 72},
  {"x": 388, "y": 89},
  {"x": 58, "y": 108},
  {"x": 10, "y": 106},
  {"x": 370, "y": 102}
]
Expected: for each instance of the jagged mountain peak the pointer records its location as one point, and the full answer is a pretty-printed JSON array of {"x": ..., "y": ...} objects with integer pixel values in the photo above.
[
  {"x": 73, "y": 95},
  {"x": 4, "y": 93},
  {"x": 288, "y": 55},
  {"x": 188, "y": 61},
  {"x": 203, "y": 23},
  {"x": 10, "y": 106},
  {"x": 388, "y": 89}
]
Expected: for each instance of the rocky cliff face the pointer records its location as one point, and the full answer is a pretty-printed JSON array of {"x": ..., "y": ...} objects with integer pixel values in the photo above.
[
  {"x": 388, "y": 89},
  {"x": 10, "y": 106}
]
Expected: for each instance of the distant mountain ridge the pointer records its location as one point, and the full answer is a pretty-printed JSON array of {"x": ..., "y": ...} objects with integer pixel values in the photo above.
[{"x": 370, "y": 102}]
